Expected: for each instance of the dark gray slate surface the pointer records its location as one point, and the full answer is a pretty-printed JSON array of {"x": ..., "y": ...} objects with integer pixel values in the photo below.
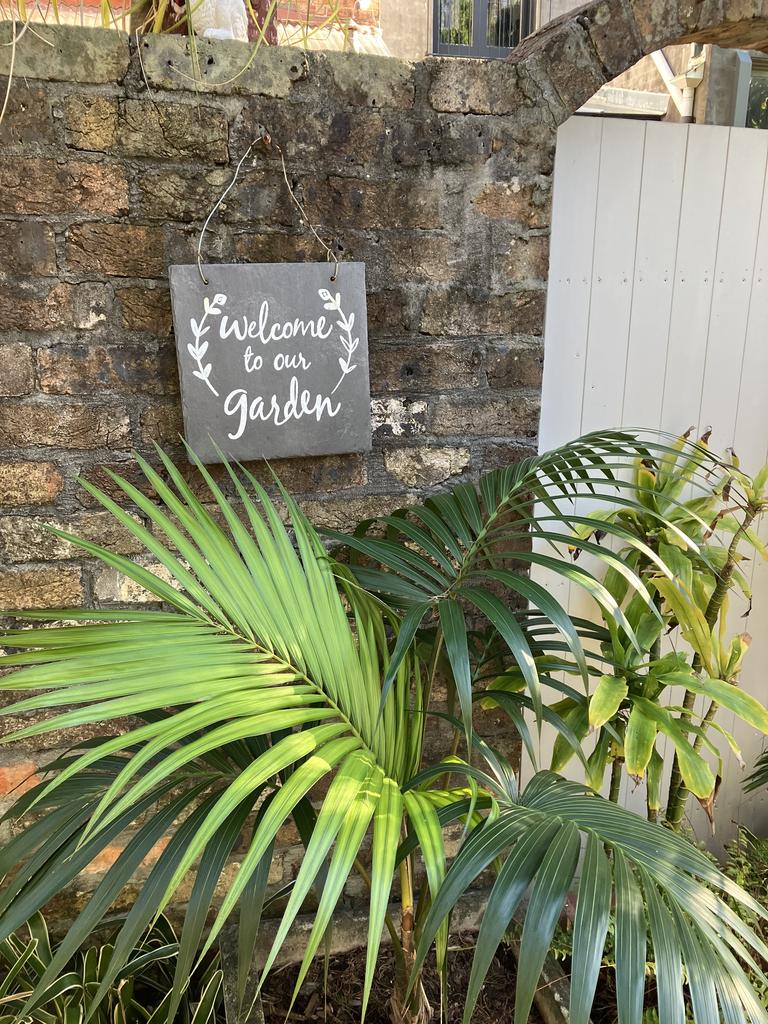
[{"x": 273, "y": 359}]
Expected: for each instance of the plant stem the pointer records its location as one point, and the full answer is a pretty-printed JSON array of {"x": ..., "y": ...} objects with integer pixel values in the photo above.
[
  {"x": 678, "y": 793},
  {"x": 615, "y": 788}
]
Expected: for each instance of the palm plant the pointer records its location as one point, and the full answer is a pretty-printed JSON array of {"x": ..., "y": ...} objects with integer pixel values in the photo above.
[{"x": 276, "y": 666}]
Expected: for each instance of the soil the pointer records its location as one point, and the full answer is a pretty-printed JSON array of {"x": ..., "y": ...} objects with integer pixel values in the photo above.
[{"x": 341, "y": 1002}]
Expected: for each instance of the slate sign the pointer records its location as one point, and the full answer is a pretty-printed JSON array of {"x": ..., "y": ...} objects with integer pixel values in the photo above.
[{"x": 273, "y": 359}]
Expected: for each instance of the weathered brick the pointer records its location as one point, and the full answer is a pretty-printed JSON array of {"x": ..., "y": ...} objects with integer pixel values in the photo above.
[
  {"x": 324, "y": 474},
  {"x": 274, "y": 247},
  {"x": 65, "y": 53},
  {"x": 424, "y": 367},
  {"x": 145, "y": 308},
  {"x": 456, "y": 313},
  {"x": 521, "y": 259},
  {"x": 90, "y": 122},
  {"x": 485, "y": 415},
  {"x": 359, "y": 203},
  {"x": 39, "y": 185},
  {"x": 661, "y": 22},
  {"x": 31, "y": 424},
  {"x": 17, "y": 374},
  {"x": 161, "y": 422},
  {"x": 425, "y": 466},
  {"x": 46, "y": 305},
  {"x": 112, "y": 586},
  {"x": 473, "y": 86},
  {"x": 29, "y": 483},
  {"x": 27, "y": 120},
  {"x": 388, "y": 313},
  {"x": 515, "y": 364},
  {"x": 344, "y": 515},
  {"x": 166, "y": 194},
  {"x": 398, "y": 417},
  {"x": 81, "y": 369},
  {"x": 117, "y": 250},
  {"x": 613, "y": 34},
  {"x": 440, "y": 140},
  {"x": 221, "y": 66},
  {"x": 413, "y": 256},
  {"x": 28, "y": 539},
  {"x": 526, "y": 203},
  {"x": 48, "y": 587},
  {"x": 27, "y": 247},
  {"x": 173, "y": 131},
  {"x": 564, "y": 50},
  {"x": 99, "y": 477},
  {"x": 17, "y": 778},
  {"x": 369, "y": 81}
]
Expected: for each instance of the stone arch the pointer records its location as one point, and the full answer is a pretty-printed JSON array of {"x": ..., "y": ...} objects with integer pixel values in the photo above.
[{"x": 572, "y": 57}]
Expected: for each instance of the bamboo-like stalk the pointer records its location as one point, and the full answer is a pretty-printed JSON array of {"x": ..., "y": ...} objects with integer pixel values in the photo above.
[{"x": 678, "y": 793}]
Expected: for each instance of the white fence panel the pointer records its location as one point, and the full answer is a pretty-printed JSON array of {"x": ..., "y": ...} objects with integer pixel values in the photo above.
[{"x": 657, "y": 316}]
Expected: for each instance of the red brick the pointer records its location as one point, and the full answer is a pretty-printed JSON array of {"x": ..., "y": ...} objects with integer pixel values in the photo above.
[{"x": 16, "y": 779}]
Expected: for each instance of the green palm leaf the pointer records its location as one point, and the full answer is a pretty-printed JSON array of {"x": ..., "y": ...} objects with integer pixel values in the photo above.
[
  {"x": 273, "y": 681},
  {"x": 690, "y": 923}
]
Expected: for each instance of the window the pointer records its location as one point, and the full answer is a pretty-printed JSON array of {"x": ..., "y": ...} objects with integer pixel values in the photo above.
[
  {"x": 757, "y": 101},
  {"x": 480, "y": 28}
]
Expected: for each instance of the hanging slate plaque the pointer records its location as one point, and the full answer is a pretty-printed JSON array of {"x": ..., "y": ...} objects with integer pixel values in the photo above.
[{"x": 273, "y": 359}]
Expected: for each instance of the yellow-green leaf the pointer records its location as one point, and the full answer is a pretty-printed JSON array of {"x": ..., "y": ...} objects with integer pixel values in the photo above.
[
  {"x": 639, "y": 740},
  {"x": 606, "y": 700}
]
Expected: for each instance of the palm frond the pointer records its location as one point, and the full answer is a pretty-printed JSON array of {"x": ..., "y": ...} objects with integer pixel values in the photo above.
[
  {"x": 271, "y": 666},
  {"x": 660, "y": 887},
  {"x": 474, "y": 549}
]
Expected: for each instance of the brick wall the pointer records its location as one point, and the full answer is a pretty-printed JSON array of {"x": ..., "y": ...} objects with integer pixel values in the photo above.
[{"x": 436, "y": 175}]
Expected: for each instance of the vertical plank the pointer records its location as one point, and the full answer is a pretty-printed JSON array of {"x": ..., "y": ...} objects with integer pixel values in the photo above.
[
  {"x": 577, "y": 176},
  {"x": 694, "y": 277},
  {"x": 750, "y": 441},
  {"x": 657, "y": 242},
  {"x": 733, "y": 282},
  {"x": 613, "y": 274}
]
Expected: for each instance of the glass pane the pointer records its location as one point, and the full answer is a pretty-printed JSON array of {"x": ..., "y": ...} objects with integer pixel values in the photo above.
[
  {"x": 456, "y": 22},
  {"x": 504, "y": 22},
  {"x": 757, "y": 107}
]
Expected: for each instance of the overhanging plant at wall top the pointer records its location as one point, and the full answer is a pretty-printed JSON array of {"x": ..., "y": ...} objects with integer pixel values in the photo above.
[{"x": 276, "y": 667}]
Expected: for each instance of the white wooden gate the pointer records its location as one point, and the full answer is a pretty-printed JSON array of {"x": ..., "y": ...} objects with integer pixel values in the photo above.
[{"x": 657, "y": 316}]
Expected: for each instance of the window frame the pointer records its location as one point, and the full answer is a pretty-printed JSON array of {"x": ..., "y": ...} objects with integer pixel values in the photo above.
[{"x": 479, "y": 31}]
